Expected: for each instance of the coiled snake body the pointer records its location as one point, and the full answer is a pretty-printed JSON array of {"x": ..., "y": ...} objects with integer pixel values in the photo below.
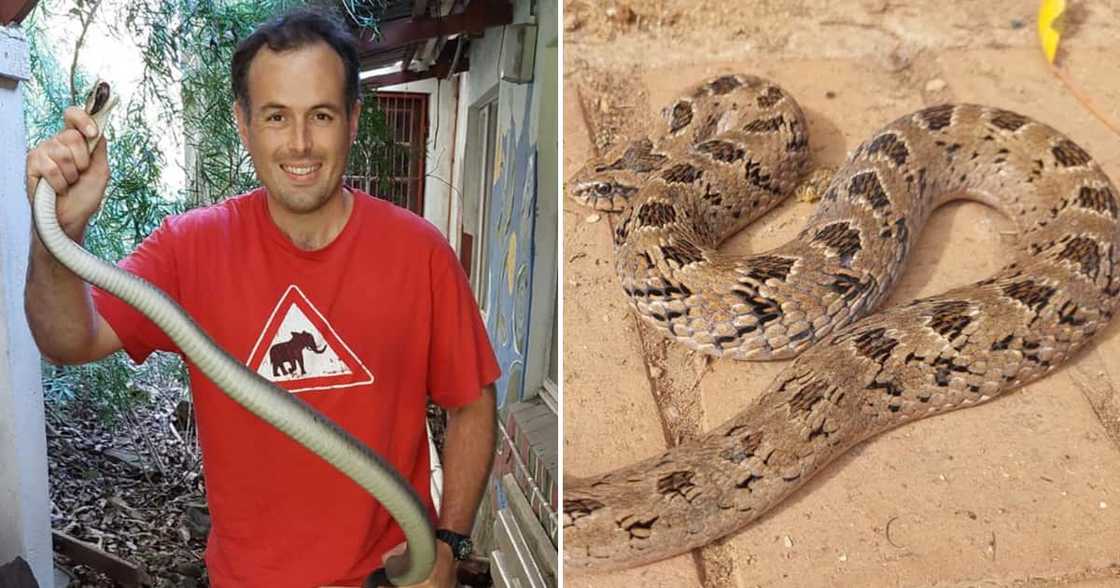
[
  {"x": 731, "y": 149},
  {"x": 275, "y": 405}
]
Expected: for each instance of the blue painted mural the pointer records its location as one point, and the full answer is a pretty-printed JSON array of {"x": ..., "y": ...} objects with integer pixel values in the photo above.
[{"x": 510, "y": 224}]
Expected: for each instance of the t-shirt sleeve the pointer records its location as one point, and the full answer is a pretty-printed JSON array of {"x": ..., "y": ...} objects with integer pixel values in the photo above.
[
  {"x": 154, "y": 261},
  {"x": 461, "y": 360}
]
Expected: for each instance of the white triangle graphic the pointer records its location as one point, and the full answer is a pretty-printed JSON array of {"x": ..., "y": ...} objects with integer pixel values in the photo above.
[
  {"x": 298, "y": 341},
  {"x": 300, "y": 351}
]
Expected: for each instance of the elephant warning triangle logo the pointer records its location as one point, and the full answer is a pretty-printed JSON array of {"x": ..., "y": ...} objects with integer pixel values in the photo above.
[{"x": 300, "y": 351}]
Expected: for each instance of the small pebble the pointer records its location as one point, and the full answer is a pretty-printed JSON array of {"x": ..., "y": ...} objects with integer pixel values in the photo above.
[
  {"x": 1016, "y": 23},
  {"x": 572, "y": 22},
  {"x": 1104, "y": 505},
  {"x": 898, "y": 60},
  {"x": 593, "y": 218},
  {"x": 655, "y": 372},
  {"x": 935, "y": 85},
  {"x": 843, "y": 557},
  {"x": 788, "y": 541},
  {"x": 830, "y": 94}
]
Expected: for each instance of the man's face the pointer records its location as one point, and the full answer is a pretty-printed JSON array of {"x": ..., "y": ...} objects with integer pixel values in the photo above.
[{"x": 296, "y": 130}]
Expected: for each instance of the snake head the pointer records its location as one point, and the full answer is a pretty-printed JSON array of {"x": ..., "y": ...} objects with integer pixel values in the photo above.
[
  {"x": 98, "y": 104},
  {"x": 98, "y": 98}
]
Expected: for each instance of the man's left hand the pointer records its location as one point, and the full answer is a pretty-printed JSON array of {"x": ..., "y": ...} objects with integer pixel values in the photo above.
[{"x": 443, "y": 573}]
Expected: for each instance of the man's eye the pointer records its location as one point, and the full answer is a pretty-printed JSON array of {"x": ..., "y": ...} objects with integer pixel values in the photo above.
[
  {"x": 274, "y": 117},
  {"x": 323, "y": 116}
]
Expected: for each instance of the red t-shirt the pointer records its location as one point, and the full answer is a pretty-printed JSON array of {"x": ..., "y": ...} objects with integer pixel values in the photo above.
[{"x": 363, "y": 330}]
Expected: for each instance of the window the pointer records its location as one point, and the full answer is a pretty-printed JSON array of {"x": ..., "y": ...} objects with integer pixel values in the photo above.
[{"x": 397, "y": 173}]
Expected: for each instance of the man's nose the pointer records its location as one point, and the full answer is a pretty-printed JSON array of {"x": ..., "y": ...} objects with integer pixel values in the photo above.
[{"x": 299, "y": 139}]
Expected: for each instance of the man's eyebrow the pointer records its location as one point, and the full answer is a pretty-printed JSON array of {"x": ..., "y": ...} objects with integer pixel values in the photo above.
[{"x": 278, "y": 106}]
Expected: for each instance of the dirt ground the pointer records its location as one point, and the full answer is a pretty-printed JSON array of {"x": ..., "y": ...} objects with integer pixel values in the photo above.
[{"x": 1022, "y": 491}]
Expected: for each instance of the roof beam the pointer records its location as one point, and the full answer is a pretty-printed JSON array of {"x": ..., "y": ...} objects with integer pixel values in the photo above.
[
  {"x": 439, "y": 70},
  {"x": 478, "y": 16},
  {"x": 442, "y": 68}
]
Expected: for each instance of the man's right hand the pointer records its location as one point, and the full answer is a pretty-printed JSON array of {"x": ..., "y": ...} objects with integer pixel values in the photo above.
[{"x": 77, "y": 176}]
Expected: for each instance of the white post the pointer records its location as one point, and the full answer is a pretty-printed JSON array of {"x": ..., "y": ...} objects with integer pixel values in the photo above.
[{"x": 24, "y": 502}]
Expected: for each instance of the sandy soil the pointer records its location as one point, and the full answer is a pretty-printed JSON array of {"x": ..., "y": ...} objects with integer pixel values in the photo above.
[{"x": 1023, "y": 491}]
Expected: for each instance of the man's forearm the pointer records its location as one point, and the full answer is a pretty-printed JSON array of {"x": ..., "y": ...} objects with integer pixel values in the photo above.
[
  {"x": 467, "y": 457},
  {"x": 58, "y": 307}
]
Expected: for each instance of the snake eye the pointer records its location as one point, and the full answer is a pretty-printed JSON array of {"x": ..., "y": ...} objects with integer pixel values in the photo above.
[{"x": 603, "y": 188}]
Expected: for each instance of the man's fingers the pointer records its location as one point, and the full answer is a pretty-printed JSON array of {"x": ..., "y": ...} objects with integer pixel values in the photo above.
[
  {"x": 51, "y": 174},
  {"x": 78, "y": 147},
  {"x": 60, "y": 154},
  {"x": 78, "y": 118}
]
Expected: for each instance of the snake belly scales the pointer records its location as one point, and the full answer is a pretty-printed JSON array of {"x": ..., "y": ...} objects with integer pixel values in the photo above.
[
  {"x": 275, "y": 405},
  {"x": 732, "y": 148}
]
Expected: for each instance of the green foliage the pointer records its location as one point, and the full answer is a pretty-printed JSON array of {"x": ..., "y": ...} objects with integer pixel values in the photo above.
[
  {"x": 186, "y": 47},
  {"x": 373, "y": 150},
  {"x": 133, "y": 209},
  {"x": 201, "y": 36}
]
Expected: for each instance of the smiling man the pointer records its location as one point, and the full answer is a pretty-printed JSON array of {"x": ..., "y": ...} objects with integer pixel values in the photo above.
[{"x": 357, "y": 306}]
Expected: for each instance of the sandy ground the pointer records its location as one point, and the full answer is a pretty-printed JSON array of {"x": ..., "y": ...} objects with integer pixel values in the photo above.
[{"x": 1023, "y": 491}]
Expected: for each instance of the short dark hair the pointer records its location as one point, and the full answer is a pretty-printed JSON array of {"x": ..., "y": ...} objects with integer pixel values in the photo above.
[{"x": 294, "y": 29}]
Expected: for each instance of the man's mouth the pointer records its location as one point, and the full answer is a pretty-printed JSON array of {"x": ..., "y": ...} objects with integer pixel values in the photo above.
[{"x": 301, "y": 171}]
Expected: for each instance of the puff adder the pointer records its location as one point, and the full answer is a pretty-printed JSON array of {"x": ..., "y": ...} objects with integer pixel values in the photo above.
[{"x": 730, "y": 149}]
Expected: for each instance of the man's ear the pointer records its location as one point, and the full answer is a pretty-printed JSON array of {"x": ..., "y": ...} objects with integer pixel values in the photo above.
[
  {"x": 242, "y": 124},
  {"x": 355, "y": 116}
]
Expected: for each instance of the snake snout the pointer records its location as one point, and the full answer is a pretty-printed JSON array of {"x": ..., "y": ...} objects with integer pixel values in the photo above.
[{"x": 98, "y": 97}]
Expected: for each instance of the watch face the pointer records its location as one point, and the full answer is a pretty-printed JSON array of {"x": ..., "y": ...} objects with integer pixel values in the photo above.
[
  {"x": 461, "y": 545},
  {"x": 464, "y": 549}
]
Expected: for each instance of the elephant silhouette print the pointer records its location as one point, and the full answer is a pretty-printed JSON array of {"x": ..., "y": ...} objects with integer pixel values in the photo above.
[
  {"x": 301, "y": 352},
  {"x": 287, "y": 356}
]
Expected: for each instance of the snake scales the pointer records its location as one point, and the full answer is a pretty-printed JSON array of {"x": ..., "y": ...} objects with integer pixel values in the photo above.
[
  {"x": 731, "y": 149},
  {"x": 280, "y": 408}
]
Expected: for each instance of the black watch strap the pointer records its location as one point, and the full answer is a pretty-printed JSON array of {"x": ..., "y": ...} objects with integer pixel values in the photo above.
[{"x": 461, "y": 545}]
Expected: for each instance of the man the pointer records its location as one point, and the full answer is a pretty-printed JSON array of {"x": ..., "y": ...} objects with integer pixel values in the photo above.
[{"x": 357, "y": 306}]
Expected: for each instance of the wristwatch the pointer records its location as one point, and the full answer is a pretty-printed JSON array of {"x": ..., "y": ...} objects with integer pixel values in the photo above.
[{"x": 461, "y": 545}]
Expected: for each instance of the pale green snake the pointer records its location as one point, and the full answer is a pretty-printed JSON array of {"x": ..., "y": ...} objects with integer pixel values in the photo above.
[{"x": 278, "y": 407}]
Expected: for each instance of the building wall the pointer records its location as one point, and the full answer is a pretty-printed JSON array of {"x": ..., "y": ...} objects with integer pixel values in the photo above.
[
  {"x": 24, "y": 502},
  {"x": 518, "y": 205},
  {"x": 521, "y": 230}
]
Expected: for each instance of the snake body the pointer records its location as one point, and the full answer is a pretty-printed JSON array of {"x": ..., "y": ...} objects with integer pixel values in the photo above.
[
  {"x": 731, "y": 149},
  {"x": 275, "y": 405}
]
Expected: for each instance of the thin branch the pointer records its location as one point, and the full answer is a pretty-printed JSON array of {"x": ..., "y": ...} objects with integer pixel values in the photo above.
[
  {"x": 1084, "y": 98},
  {"x": 87, "y": 22}
]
